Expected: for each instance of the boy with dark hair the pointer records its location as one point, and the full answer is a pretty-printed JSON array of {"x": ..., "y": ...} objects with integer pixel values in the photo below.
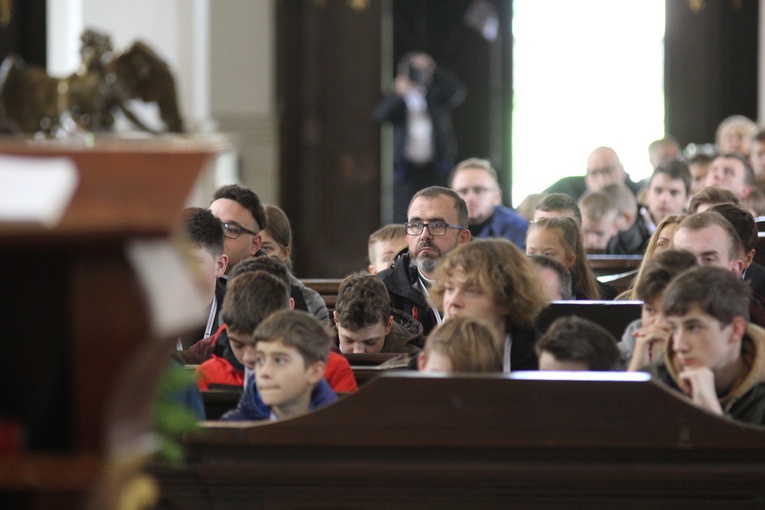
[
  {"x": 715, "y": 356},
  {"x": 644, "y": 339},
  {"x": 366, "y": 323},
  {"x": 573, "y": 343},
  {"x": 556, "y": 278},
  {"x": 251, "y": 297},
  {"x": 558, "y": 204},
  {"x": 290, "y": 355},
  {"x": 204, "y": 232},
  {"x": 667, "y": 193},
  {"x": 338, "y": 372}
]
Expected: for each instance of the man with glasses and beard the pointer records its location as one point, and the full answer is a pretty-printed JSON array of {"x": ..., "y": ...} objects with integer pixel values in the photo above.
[{"x": 437, "y": 221}]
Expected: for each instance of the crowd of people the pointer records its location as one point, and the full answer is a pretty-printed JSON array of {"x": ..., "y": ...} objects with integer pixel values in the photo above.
[{"x": 459, "y": 286}]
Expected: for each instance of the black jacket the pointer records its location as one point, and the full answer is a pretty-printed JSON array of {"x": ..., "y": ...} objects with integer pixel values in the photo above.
[
  {"x": 632, "y": 241},
  {"x": 403, "y": 284}
]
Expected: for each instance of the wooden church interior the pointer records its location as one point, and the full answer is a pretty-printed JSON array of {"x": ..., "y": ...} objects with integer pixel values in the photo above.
[{"x": 84, "y": 351}]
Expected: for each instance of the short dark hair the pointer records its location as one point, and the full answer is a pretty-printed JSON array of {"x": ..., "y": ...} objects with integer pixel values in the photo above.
[
  {"x": 701, "y": 159},
  {"x": 247, "y": 199},
  {"x": 560, "y": 202},
  {"x": 660, "y": 270},
  {"x": 675, "y": 170},
  {"x": 710, "y": 218},
  {"x": 362, "y": 300},
  {"x": 250, "y": 298},
  {"x": 564, "y": 275},
  {"x": 748, "y": 170},
  {"x": 299, "y": 330},
  {"x": 437, "y": 191},
  {"x": 712, "y": 195},
  {"x": 202, "y": 228},
  {"x": 716, "y": 291},
  {"x": 576, "y": 339},
  {"x": 270, "y": 265},
  {"x": 743, "y": 223}
]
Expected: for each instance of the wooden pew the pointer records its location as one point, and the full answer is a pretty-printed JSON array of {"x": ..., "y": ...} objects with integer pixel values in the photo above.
[
  {"x": 368, "y": 366},
  {"x": 613, "y": 264},
  {"x": 615, "y": 316},
  {"x": 415, "y": 441},
  {"x": 326, "y": 287}
]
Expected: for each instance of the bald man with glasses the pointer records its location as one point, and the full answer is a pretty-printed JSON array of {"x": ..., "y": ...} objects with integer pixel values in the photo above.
[{"x": 437, "y": 221}]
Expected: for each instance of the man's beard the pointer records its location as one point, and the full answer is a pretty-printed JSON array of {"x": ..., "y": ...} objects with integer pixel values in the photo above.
[{"x": 428, "y": 263}]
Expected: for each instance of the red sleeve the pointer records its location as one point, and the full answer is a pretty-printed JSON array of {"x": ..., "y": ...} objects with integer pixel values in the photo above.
[{"x": 339, "y": 374}]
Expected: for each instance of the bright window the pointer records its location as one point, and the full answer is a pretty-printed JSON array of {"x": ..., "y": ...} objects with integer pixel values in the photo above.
[{"x": 586, "y": 73}]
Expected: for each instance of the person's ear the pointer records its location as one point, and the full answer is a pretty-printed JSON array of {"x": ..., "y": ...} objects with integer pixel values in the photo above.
[
  {"x": 570, "y": 259},
  {"x": 388, "y": 325},
  {"x": 737, "y": 266},
  {"x": 220, "y": 265},
  {"x": 315, "y": 371},
  {"x": 739, "y": 329},
  {"x": 749, "y": 258},
  {"x": 335, "y": 318},
  {"x": 421, "y": 361},
  {"x": 464, "y": 236},
  {"x": 372, "y": 269},
  {"x": 257, "y": 241},
  {"x": 292, "y": 303}
]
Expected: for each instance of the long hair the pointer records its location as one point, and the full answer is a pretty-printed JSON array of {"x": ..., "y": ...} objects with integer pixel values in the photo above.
[{"x": 571, "y": 239}]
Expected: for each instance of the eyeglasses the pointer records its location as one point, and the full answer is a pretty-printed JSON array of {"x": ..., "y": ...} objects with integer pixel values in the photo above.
[
  {"x": 233, "y": 231},
  {"x": 477, "y": 190},
  {"x": 436, "y": 228}
]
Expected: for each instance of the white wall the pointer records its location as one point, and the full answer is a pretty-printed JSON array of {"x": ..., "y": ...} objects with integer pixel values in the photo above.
[{"x": 220, "y": 51}]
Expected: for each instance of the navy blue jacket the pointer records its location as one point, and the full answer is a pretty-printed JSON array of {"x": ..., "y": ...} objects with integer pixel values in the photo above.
[
  {"x": 505, "y": 223},
  {"x": 252, "y": 408}
]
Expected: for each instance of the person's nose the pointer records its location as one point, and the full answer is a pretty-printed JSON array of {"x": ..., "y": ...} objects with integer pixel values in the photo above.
[
  {"x": 358, "y": 348},
  {"x": 248, "y": 358}
]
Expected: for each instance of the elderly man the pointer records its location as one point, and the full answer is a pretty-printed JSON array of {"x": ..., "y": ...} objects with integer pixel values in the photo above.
[
  {"x": 475, "y": 181},
  {"x": 437, "y": 223},
  {"x": 603, "y": 168}
]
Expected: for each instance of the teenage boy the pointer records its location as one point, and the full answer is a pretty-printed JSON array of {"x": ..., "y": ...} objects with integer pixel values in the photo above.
[
  {"x": 384, "y": 244},
  {"x": 290, "y": 355},
  {"x": 600, "y": 214},
  {"x": 251, "y": 297},
  {"x": 365, "y": 322},
  {"x": 204, "y": 233},
  {"x": 576, "y": 344},
  {"x": 715, "y": 356},
  {"x": 668, "y": 193}
]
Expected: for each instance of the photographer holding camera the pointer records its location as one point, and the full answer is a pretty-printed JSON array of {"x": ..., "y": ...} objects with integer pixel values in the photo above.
[{"x": 419, "y": 107}]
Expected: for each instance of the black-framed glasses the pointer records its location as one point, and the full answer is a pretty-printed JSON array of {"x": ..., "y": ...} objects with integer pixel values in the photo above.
[
  {"x": 436, "y": 228},
  {"x": 232, "y": 230}
]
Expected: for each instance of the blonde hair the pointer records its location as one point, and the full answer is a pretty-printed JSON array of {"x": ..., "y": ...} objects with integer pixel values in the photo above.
[
  {"x": 650, "y": 250},
  {"x": 496, "y": 266},
  {"x": 571, "y": 239},
  {"x": 597, "y": 205},
  {"x": 390, "y": 232},
  {"x": 470, "y": 345}
]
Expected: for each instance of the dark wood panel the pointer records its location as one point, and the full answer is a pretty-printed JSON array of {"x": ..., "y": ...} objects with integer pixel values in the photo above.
[
  {"x": 480, "y": 441},
  {"x": 328, "y": 76}
]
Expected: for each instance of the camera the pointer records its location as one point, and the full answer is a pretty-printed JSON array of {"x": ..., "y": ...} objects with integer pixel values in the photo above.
[{"x": 420, "y": 75}]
